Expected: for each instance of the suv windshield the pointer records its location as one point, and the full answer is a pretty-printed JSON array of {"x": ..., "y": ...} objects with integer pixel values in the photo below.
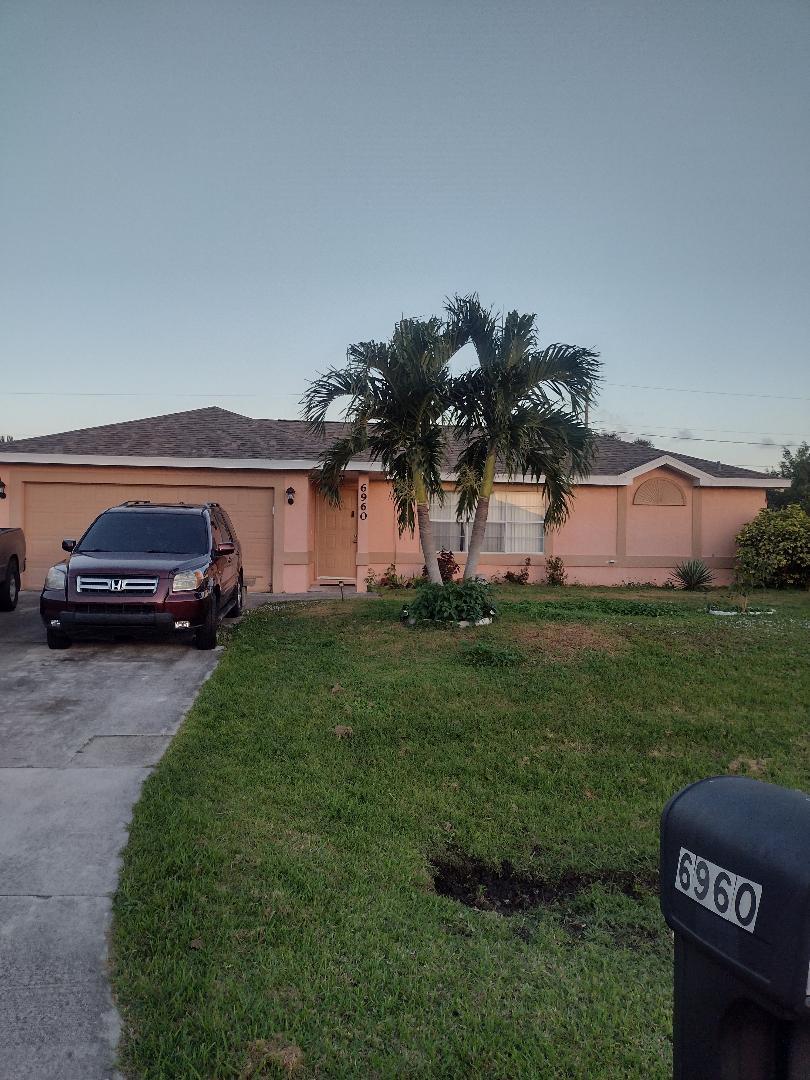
[{"x": 139, "y": 532}]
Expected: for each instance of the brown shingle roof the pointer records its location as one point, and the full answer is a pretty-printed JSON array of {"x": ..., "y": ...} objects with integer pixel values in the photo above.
[{"x": 218, "y": 433}]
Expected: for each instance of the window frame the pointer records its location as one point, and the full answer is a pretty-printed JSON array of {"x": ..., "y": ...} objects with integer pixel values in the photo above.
[{"x": 448, "y": 517}]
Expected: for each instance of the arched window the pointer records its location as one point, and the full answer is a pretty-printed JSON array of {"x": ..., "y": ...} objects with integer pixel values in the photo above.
[{"x": 659, "y": 492}]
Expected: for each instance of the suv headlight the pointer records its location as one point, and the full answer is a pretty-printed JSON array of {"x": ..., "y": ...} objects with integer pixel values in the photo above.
[
  {"x": 55, "y": 578},
  {"x": 188, "y": 581}
]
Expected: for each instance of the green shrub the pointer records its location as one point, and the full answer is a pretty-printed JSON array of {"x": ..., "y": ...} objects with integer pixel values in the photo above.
[
  {"x": 486, "y": 654},
  {"x": 456, "y": 601},
  {"x": 773, "y": 550},
  {"x": 389, "y": 579},
  {"x": 692, "y": 574},
  {"x": 520, "y": 577},
  {"x": 555, "y": 571}
]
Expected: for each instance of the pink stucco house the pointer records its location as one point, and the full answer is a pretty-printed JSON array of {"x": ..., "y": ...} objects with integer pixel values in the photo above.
[{"x": 641, "y": 510}]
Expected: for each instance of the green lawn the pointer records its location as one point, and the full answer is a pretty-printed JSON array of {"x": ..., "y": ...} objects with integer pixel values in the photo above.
[{"x": 277, "y": 911}]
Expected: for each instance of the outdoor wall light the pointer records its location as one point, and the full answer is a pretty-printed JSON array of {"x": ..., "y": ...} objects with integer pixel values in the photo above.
[
  {"x": 2, "y": 490},
  {"x": 290, "y": 493}
]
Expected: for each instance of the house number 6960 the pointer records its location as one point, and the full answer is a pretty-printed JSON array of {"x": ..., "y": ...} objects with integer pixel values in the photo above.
[
  {"x": 729, "y": 895},
  {"x": 363, "y": 502}
]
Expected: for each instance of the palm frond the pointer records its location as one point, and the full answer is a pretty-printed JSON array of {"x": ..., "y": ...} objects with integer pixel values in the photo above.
[
  {"x": 517, "y": 339},
  {"x": 398, "y": 396},
  {"x": 334, "y": 461},
  {"x": 469, "y": 474},
  {"x": 350, "y": 382},
  {"x": 471, "y": 321},
  {"x": 567, "y": 371}
]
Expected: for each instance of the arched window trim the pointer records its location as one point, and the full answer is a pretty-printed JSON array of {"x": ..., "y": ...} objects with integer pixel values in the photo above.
[{"x": 659, "y": 491}]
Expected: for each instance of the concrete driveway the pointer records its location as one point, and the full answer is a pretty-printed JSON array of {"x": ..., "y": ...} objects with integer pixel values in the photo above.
[{"x": 79, "y": 732}]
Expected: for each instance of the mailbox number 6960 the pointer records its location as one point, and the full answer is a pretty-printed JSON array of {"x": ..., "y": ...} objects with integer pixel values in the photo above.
[{"x": 728, "y": 895}]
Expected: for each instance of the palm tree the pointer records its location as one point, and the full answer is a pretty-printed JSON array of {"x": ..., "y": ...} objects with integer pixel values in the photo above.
[
  {"x": 398, "y": 394},
  {"x": 521, "y": 410}
]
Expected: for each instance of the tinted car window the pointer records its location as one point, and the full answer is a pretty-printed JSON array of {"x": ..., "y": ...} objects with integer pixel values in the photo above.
[
  {"x": 225, "y": 525},
  {"x": 216, "y": 529},
  {"x": 171, "y": 534}
]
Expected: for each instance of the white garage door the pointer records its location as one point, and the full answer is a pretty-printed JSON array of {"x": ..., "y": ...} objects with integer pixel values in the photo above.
[{"x": 54, "y": 511}]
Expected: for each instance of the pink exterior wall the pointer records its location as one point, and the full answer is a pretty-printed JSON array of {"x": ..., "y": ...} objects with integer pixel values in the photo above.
[
  {"x": 724, "y": 511},
  {"x": 591, "y": 527},
  {"x": 298, "y": 555},
  {"x": 660, "y": 530},
  {"x": 607, "y": 539}
]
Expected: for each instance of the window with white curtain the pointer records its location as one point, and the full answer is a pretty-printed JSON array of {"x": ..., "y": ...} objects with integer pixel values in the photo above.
[{"x": 514, "y": 524}]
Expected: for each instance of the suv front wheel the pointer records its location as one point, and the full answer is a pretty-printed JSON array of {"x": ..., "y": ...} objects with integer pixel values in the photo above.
[
  {"x": 56, "y": 640},
  {"x": 10, "y": 588},
  {"x": 237, "y": 606},
  {"x": 206, "y": 636}
]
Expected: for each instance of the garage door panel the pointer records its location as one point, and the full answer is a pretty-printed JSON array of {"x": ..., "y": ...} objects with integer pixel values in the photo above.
[{"x": 53, "y": 511}]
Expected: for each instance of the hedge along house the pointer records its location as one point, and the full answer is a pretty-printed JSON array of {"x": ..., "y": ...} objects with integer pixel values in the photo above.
[{"x": 640, "y": 511}]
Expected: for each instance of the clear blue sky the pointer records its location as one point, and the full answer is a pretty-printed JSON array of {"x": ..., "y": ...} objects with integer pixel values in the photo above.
[{"x": 204, "y": 199}]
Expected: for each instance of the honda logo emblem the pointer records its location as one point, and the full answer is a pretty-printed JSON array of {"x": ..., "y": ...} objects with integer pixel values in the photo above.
[{"x": 116, "y": 584}]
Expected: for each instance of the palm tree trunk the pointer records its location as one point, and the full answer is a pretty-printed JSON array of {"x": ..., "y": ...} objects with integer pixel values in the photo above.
[
  {"x": 426, "y": 531},
  {"x": 480, "y": 519}
]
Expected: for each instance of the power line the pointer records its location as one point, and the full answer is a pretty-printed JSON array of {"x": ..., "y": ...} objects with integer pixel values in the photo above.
[
  {"x": 126, "y": 394},
  {"x": 695, "y": 438},
  {"x": 717, "y": 393},
  {"x": 622, "y": 386},
  {"x": 724, "y": 431}
]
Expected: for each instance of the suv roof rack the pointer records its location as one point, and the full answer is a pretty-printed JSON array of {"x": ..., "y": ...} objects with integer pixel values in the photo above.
[{"x": 180, "y": 502}]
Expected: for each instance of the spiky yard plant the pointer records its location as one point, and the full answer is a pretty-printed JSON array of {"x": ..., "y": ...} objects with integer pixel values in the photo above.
[
  {"x": 521, "y": 410},
  {"x": 692, "y": 575},
  {"x": 398, "y": 394}
]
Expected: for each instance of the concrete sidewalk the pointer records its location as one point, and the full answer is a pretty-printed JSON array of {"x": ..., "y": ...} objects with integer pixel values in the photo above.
[{"x": 80, "y": 730}]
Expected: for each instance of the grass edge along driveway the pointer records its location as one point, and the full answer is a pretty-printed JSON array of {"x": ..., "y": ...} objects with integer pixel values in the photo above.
[{"x": 277, "y": 912}]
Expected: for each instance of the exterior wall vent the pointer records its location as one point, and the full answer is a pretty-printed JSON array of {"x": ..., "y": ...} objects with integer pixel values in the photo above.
[{"x": 659, "y": 492}]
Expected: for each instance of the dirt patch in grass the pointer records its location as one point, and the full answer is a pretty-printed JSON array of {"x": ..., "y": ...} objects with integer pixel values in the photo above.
[
  {"x": 508, "y": 891},
  {"x": 271, "y": 1057},
  {"x": 746, "y": 766},
  {"x": 565, "y": 640}
]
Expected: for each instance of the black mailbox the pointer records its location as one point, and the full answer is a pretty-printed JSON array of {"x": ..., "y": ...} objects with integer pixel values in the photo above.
[{"x": 735, "y": 889}]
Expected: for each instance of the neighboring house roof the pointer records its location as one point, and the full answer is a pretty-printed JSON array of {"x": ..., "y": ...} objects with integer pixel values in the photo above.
[{"x": 218, "y": 436}]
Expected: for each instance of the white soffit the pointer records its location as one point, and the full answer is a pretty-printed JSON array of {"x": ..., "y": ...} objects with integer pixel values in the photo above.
[{"x": 625, "y": 479}]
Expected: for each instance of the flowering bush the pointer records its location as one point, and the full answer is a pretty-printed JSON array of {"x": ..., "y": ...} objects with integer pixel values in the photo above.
[
  {"x": 448, "y": 567},
  {"x": 555, "y": 571}
]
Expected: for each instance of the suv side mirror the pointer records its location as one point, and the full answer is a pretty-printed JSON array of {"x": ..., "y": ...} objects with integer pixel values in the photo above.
[
  {"x": 226, "y": 548},
  {"x": 68, "y": 545}
]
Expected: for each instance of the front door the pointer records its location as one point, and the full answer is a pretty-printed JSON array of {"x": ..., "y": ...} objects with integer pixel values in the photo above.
[{"x": 336, "y": 537}]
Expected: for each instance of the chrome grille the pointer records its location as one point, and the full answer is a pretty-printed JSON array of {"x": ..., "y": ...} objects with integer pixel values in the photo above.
[{"x": 146, "y": 586}]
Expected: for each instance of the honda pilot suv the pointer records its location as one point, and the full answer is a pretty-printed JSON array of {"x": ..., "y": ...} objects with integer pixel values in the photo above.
[{"x": 146, "y": 568}]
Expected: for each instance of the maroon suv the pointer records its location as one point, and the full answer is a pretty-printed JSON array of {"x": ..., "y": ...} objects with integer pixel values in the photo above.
[{"x": 146, "y": 568}]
